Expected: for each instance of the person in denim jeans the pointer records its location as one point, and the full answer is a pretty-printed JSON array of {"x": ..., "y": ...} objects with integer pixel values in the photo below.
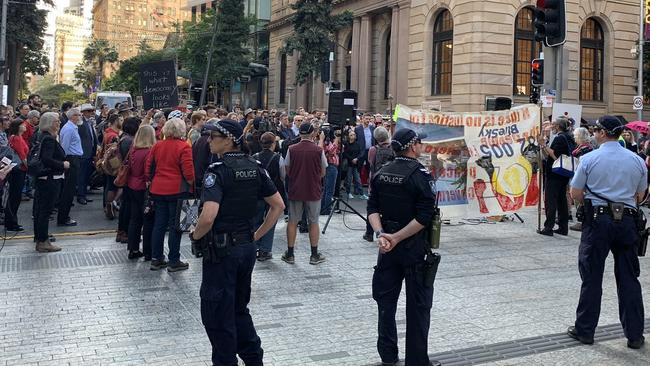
[
  {"x": 170, "y": 170},
  {"x": 331, "y": 149},
  {"x": 353, "y": 154}
]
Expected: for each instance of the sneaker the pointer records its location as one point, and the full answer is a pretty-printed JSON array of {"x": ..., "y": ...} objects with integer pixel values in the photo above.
[
  {"x": 363, "y": 197},
  {"x": 350, "y": 196},
  {"x": 264, "y": 256},
  {"x": 288, "y": 259},
  {"x": 316, "y": 259},
  {"x": 157, "y": 264},
  {"x": 178, "y": 266}
]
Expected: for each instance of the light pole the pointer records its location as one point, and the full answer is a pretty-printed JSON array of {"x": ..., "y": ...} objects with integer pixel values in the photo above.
[
  {"x": 289, "y": 90},
  {"x": 640, "y": 50}
]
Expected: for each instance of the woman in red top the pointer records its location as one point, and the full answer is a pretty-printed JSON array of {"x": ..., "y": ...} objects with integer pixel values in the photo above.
[
  {"x": 140, "y": 222},
  {"x": 170, "y": 170},
  {"x": 111, "y": 135},
  {"x": 17, "y": 176}
]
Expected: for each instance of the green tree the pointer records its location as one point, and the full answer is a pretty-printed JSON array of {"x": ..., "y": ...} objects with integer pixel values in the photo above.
[
  {"x": 127, "y": 77},
  {"x": 313, "y": 29},
  {"x": 55, "y": 94},
  {"x": 97, "y": 54},
  {"x": 85, "y": 75},
  {"x": 230, "y": 57},
  {"x": 25, "y": 30}
]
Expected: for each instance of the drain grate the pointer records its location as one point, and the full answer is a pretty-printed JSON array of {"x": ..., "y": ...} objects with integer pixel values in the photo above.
[
  {"x": 62, "y": 260},
  {"x": 521, "y": 347}
]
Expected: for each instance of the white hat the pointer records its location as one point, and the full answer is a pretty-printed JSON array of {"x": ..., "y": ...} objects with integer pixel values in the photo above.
[
  {"x": 86, "y": 107},
  {"x": 175, "y": 114}
]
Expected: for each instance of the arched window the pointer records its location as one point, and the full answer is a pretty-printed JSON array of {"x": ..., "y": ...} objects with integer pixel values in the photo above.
[
  {"x": 283, "y": 78},
  {"x": 387, "y": 67},
  {"x": 526, "y": 49},
  {"x": 443, "y": 50},
  {"x": 348, "y": 65},
  {"x": 592, "y": 46}
]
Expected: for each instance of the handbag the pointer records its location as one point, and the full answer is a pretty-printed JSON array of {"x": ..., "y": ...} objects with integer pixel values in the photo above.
[
  {"x": 565, "y": 165},
  {"x": 124, "y": 171},
  {"x": 187, "y": 214}
]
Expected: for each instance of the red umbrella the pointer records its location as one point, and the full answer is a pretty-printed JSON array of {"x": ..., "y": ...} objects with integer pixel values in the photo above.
[{"x": 640, "y": 126}]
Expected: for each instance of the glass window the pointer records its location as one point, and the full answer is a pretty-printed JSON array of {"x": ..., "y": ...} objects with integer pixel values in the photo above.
[
  {"x": 443, "y": 50},
  {"x": 592, "y": 46},
  {"x": 387, "y": 67},
  {"x": 526, "y": 49},
  {"x": 283, "y": 78}
]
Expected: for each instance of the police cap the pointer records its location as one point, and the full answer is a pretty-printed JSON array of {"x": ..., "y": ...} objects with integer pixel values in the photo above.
[
  {"x": 306, "y": 128},
  {"x": 610, "y": 124},
  {"x": 405, "y": 138},
  {"x": 227, "y": 127}
]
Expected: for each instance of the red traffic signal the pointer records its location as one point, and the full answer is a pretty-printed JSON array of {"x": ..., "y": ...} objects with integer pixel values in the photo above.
[{"x": 537, "y": 72}]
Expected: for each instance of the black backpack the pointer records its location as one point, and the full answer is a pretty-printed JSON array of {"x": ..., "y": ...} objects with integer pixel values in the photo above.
[
  {"x": 35, "y": 165},
  {"x": 383, "y": 154}
]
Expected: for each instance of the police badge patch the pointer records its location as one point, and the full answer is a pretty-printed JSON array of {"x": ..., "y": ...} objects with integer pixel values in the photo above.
[{"x": 209, "y": 180}]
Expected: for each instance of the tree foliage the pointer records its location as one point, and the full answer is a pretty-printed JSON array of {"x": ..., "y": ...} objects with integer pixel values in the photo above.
[
  {"x": 58, "y": 93},
  {"x": 85, "y": 75},
  {"x": 230, "y": 57},
  {"x": 97, "y": 54},
  {"x": 127, "y": 77},
  {"x": 313, "y": 29}
]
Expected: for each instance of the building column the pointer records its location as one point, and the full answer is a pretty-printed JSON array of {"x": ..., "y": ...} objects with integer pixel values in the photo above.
[
  {"x": 365, "y": 62},
  {"x": 356, "y": 30},
  {"x": 394, "y": 45},
  {"x": 402, "y": 50}
]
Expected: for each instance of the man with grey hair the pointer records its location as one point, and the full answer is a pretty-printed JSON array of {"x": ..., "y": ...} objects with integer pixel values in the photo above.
[
  {"x": 71, "y": 143},
  {"x": 89, "y": 146}
]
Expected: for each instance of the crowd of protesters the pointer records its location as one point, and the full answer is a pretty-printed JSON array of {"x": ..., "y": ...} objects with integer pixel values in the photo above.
[{"x": 146, "y": 161}]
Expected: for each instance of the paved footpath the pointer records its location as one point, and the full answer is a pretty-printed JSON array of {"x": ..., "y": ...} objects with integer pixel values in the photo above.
[{"x": 504, "y": 295}]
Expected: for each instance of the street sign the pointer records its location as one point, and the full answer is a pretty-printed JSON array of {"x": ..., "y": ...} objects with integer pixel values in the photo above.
[
  {"x": 158, "y": 85},
  {"x": 547, "y": 101},
  {"x": 637, "y": 105}
]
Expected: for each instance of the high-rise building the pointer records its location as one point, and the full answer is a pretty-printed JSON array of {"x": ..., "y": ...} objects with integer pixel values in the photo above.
[
  {"x": 70, "y": 37},
  {"x": 128, "y": 23}
]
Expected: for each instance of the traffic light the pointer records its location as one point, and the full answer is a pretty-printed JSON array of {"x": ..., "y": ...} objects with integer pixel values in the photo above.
[
  {"x": 550, "y": 22},
  {"x": 537, "y": 72}
]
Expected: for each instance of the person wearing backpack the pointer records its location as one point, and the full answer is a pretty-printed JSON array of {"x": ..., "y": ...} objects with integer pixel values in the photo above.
[
  {"x": 270, "y": 160},
  {"x": 107, "y": 152},
  {"x": 378, "y": 155},
  {"x": 49, "y": 178}
]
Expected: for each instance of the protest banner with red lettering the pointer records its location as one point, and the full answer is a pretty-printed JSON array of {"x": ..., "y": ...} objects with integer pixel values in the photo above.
[{"x": 483, "y": 163}]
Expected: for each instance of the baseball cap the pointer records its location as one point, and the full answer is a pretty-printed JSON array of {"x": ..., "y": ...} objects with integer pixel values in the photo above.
[{"x": 610, "y": 124}]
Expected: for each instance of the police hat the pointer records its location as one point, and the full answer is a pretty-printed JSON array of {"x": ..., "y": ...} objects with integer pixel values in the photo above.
[
  {"x": 228, "y": 128},
  {"x": 405, "y": 138},
  {"x": 610, "y": 124}
]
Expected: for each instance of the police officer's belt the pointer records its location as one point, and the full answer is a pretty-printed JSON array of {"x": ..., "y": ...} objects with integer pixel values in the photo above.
[
  {"x": 600, "y": 210},
  {"x": 234, "y": 238}
]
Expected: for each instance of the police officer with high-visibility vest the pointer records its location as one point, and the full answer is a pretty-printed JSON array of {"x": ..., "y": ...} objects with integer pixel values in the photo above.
[
  {"x": 224, "y": 237},
  {"x": 401, "y": 207},
  {"x": 611, "y": 181}
]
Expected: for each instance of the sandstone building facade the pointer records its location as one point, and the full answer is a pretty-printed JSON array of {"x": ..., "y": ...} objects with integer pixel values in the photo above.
[{"x": 460, "y": 52}]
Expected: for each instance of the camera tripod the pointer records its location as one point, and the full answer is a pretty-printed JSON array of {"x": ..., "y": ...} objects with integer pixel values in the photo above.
[{"x": 335, "y": 206}]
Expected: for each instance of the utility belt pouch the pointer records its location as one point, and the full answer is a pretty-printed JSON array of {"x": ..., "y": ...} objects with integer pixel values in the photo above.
[
  {"x": 199, "y": 246},
  {"x": 617, "y": 210},
  {"x": 431, "y": 262},
  {"x": 643, "y": 242},
  {"x": 433, "y": 230},
  {"x": 220, "y": 246},
  {"x": 580, "y": 212},
  {"x": 589, "y": 215}
]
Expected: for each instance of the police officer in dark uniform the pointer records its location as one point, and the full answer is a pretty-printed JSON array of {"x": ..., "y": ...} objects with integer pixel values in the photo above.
[
  {"x": 224, "y": 237},
  {"x": 401, "y": 206},
  {"x": 610, "y": 181}
]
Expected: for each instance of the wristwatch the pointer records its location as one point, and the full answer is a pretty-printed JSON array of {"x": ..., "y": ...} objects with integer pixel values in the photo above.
[{"x": 378, "y": 233}]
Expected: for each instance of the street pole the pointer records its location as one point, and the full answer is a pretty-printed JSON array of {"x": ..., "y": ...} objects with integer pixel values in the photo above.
[
  {"x": 204, "y": 87},
  {"x": 641, "y": 44},
  {"x": 3, "y": 46}
]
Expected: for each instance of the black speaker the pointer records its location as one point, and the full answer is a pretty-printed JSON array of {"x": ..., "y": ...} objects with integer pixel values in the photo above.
[
  {"x": 502, "y": 103},
  {"x": 341, "y": 110}
]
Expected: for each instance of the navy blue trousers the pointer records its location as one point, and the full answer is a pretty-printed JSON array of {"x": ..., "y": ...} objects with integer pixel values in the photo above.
[
  {"x": 225, "y": 294},
  {"x": 599, "y": 237},
  {"x": 402, "y": 263}
]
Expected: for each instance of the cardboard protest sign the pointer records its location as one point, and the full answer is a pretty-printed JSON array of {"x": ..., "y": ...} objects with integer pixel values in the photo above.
[{"x": 158, "y": 85}]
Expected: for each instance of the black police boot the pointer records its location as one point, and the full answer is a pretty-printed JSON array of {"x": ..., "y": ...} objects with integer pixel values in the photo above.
[
  {"x": 573, "y": 333},
  {"x": 435, "y": 363},
  {"x": 636, "y": 344}
]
